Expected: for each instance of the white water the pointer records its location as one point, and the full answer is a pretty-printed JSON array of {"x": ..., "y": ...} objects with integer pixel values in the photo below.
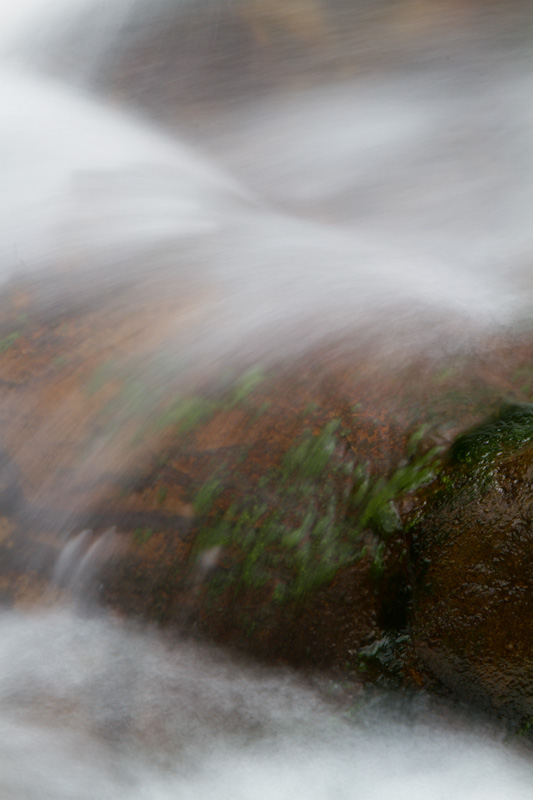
[
  {"x": 359, "y": 205},
  {"x": 92, "y": 709},
  {"x": 427, "y": 182}
]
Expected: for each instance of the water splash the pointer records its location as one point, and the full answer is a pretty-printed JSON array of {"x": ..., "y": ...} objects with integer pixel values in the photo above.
[{"x": 80, "y": 561}]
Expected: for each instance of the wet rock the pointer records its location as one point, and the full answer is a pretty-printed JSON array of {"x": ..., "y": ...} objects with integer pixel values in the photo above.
[
  {"x": 472, "y": 550},
  {"x": 262, "y": 509},
  {"x": 272, "y": 519},
  {"x": 265, "y": 533}
]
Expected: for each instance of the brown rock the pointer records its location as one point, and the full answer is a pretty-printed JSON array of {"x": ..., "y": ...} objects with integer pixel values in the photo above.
[
  {"x": 472, "y": 554},
  {"x": 91, "y": 444}
]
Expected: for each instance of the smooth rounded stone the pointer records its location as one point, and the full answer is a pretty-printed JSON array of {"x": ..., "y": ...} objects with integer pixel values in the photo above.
[{"x": 472, "y": 548}]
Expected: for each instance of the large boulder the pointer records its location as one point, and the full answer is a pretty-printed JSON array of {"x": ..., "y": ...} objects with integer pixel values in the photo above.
[{"x": 263, "y": 508}]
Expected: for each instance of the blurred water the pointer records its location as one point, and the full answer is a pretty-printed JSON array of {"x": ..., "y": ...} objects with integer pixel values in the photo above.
[
  {"x": 387, "y": 193},
  {"x": 365, "y": 197},
  {"x": 91, "y": 708}
]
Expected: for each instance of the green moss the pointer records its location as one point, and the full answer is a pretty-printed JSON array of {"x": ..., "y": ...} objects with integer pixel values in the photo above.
[
  {"x": 470, "y": 469},
  {"x": 8, "y": 341},
  {"x": 309, "y": 458},
  {"x": 244, "y": 386},
  {"x": 304, "y": 520},
  {"x": 205, "y": 498},
  {"x": 187, "y": 413},
  {"x": 510, "y": 430}
]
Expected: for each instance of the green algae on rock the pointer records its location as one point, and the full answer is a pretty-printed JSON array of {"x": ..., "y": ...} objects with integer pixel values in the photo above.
[
  {"x": 304, "y": 521},
  {"x": 510, "y": 430},
  {"x": 266, "y": 511},
  {"x": 268, "y": 532}
]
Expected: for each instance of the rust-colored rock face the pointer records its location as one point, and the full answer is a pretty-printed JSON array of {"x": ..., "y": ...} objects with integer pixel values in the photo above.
[{"x": 473, "y": 554}]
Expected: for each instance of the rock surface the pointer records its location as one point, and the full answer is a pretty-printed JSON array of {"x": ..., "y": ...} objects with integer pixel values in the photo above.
[
  {"x": 473, "y": 550},
  {"x": 266, "y": 509}
]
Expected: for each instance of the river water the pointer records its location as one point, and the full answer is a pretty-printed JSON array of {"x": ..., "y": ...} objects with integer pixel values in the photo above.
[{"x": 363, "y": 171}]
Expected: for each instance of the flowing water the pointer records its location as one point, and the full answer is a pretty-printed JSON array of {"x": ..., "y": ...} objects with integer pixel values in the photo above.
[{"x": 333, "y": 171}]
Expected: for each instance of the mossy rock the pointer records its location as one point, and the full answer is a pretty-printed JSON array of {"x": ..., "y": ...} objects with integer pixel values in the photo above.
[
  {"x": 261, "y": 508},
  {"x": 472, "y": 548},
  {"x": 286, "y": 546}
]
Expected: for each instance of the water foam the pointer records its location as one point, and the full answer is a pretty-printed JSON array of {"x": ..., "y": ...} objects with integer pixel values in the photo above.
[{"x": 90, "y": 707}]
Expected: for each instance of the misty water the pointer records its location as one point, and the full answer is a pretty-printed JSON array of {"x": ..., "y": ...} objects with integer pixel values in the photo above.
[{"x": 371, "y": 177}]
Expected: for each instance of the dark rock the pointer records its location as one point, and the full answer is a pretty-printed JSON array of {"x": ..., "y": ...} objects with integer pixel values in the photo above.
[{"x": 472, "y": 551}]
